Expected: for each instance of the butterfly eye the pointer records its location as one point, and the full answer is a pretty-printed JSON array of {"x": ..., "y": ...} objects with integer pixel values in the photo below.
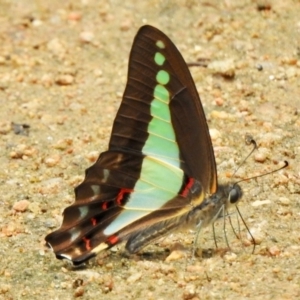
[{"x": 234, "y": 195}]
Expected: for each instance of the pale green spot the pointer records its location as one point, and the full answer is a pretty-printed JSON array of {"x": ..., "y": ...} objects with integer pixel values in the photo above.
[
  {"x": 162, "y": 77},
  {"x": 159, "y": 58},
  {"x": 161, "y": 93},
  {"x": 160, "y": 44}
]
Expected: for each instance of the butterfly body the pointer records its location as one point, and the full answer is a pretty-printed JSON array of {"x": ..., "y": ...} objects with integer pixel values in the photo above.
[
  {"x": 198, "y": 216},
  {"x": 159, "y": 172}
]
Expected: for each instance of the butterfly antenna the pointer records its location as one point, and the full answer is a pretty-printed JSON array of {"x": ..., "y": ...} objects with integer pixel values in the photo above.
[
  {"x": 239, "y": 213},
  {"x": 249, "y": 141},
  {"x": 286, "y": 163}
]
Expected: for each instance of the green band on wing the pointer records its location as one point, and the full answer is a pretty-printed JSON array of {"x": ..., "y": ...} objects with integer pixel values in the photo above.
[{"x": 161, "y": 176}]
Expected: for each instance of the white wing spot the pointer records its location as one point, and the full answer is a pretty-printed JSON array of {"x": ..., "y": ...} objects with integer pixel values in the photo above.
[
  {"x": 105, "y": 175},
  {"x": 95, "y": 189}
]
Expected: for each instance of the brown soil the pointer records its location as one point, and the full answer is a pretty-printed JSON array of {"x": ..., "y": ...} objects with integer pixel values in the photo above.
[{"x": 63, "y": 71}]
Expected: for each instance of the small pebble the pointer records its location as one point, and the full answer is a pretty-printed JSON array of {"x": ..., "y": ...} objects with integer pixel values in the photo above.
[
  {"x": 289, "y": 60},
  {"x": 5, "y": 127},
  {"x": 230, "y": 257},
  {"x": 4, "y": 288},
  {"x": 189, "y": 292},
  {"x": 257, "y": 234},
  {"x": 56, "y": 47},
  {"x": 50, "y": 223},
  {"x": 260, "y": 157},
  {"x": 63, "y": 144},
  {"x": 2, "y": 60},
  {"x": 37, "y": 23},
  {"x": 65, "y": 79},
  {"x": 21, "y": 206},
  {"x": 92, "y": 156},
  {"x": 75, "y": 106},
  {"x": 259, "y": 67},
  {"x": 52, "y": 161},
  {"x": 225, "y": 68},
  {"x": 20, "y": 129},
  {"x": 126, "y": 25},
  {"x": 175, "y": 255},
  {"x": 284, "y": 201},
  {"x": 98, "y": 72},
  {"x": 134, "y": 277},
  {"x": 47, "y": 80},
  {"x": 23, "y": 151},
  {"x": 214, "y": 133},
  {"x": 291, "y": 72},
  {"x": 196, "y": 268},
  {"x": 260, "y": 202},
  {"x": 215, "y": 114},
  {"x": 86, "y": 36},
  {"x": 79, "y": 292},
  {"x": 219, "y": 101},
  {"x": 263, "y": 5},
  {"x": 74, "y": 16},
  {"x": 274, "y": 251}
]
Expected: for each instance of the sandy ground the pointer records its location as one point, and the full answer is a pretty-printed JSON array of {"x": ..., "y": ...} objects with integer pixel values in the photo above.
[{"x": 63, "y": 71}]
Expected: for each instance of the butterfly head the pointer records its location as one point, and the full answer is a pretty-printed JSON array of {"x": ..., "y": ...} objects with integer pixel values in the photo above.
[{"x": 235, "y": 193}]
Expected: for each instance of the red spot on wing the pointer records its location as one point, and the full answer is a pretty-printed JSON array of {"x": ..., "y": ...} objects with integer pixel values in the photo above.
[
  {"x": 87, "y": 243},
  {"x": 121, "y": 195},
  {"x": 187, "y": 187},
  {"x": 104, "y": 206},
  {"x": 94, "y": 221},
  {"x": 112, "y": 240}
]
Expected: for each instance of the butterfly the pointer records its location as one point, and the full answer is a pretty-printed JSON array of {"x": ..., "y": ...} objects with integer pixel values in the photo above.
[{"x": 159, "y": 172}]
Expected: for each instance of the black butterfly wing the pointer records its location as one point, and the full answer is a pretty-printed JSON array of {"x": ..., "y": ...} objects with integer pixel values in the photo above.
[{"x": 159, "y": 152}]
